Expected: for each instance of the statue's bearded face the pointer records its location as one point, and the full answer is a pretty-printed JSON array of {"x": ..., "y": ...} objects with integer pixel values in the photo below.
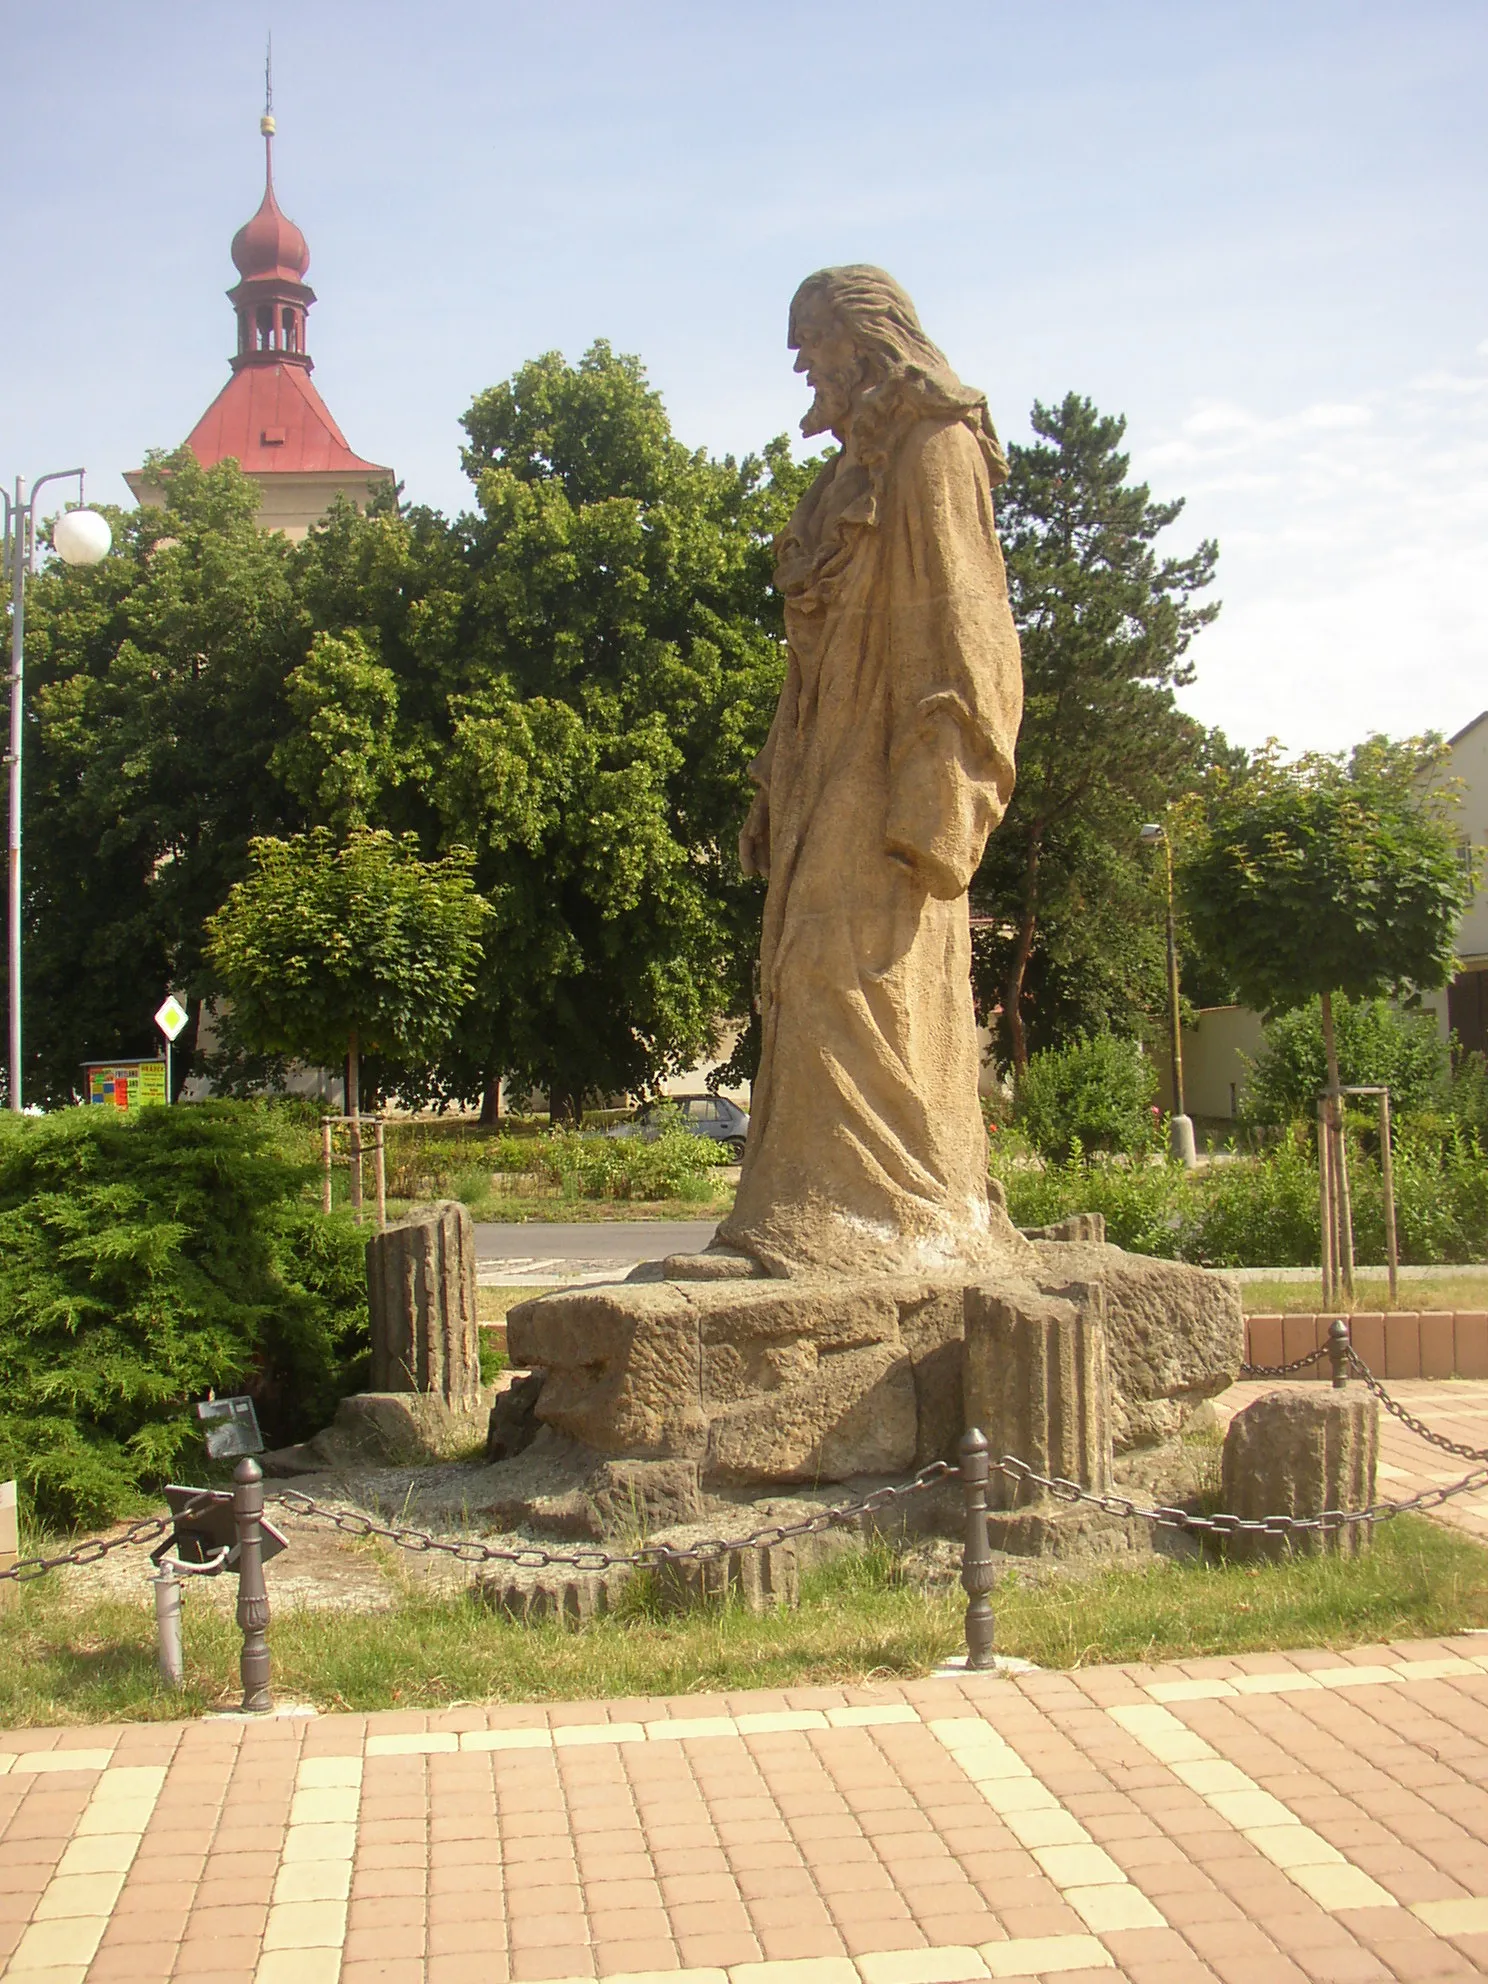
[{"x": 833, "y": 365}]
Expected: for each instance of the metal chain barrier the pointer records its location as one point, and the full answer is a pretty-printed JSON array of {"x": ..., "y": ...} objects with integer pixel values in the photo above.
[
  {"x": 1226, "y": 1525},
  {"x": 533, "y": 1556},
  {"x": 1458, "y": 1448},
  {"x": 149, "y": 1530},
  {"x": 1284, "y": 1370}
]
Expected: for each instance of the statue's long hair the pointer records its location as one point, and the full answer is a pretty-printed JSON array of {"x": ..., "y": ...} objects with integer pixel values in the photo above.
[
  {"x": 915, "y": 376},
  {"x": 908, "y": 379}
]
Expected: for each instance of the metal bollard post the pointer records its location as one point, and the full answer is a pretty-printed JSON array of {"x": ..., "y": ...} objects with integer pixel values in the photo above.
[
  {"x": 977, "y": 1574},
  {"x": 253, "y": 1594},
  {"x": 1338, "y": 1349},
  {"x": 169, "y": 1654}
]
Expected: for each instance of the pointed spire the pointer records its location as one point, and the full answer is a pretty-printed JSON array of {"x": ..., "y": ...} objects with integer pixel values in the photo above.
[{"x": 272, "y": 257}]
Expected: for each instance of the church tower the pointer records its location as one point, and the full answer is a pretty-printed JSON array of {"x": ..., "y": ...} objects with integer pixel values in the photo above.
[{"x": 268, "y": 415}]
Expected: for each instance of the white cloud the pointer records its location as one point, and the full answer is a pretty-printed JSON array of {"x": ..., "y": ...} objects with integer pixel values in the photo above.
[{"x": 1353, "y": 559}]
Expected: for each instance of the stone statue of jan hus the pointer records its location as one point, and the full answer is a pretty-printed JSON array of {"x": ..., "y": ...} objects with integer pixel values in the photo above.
[{"x": 889, "y": 762}]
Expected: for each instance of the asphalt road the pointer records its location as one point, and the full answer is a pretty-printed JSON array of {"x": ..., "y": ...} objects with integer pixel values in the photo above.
[{"x": 592, "y": 1240}]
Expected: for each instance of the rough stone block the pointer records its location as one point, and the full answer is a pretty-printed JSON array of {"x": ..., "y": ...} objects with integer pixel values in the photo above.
[
  {"x": 1175, "y": 1334},
  {"x": 1078, "y": 1226},
  {"x": 572, "y": 1597},
  {"x": 763, "y": 1579},
  {"x": 422, "y": 1305},
  {"x": 386, "y": 1429},
  {"x": 1300, "y": 1453},
  {"x": 1038, "y": 1385},
  {"x": 755, "y": 1381}
]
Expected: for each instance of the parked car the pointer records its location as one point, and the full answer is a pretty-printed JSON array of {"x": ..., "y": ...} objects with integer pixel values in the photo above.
[{"x": 712, "y": 1116}]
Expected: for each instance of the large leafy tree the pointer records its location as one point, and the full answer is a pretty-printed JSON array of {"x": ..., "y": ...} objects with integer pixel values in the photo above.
[
  {"x": 1070, "y": 939},
  {"x": 619, "y": 660},
  {"x": 331, "y": 948},
  {"x": 155, "y": 699},
  {"x": 1328, "y": 875}
]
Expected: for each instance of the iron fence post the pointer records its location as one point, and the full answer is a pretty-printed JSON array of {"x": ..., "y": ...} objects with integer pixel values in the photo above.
[
  {"x": 1338, "y": 1352},
  {"x": 253, "y": 1595},
  {"x": 977, "y": 1574}
]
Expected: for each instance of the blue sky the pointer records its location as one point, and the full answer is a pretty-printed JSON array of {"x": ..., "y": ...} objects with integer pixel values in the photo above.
[{"x": 1255, "y": 229}]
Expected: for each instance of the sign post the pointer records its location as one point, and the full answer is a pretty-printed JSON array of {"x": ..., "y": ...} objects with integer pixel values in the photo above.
[{"x": 171, "y": 1018}]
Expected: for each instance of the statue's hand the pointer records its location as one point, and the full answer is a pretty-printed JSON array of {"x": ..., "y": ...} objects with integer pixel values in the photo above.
[{"x": 754, "y": 837}]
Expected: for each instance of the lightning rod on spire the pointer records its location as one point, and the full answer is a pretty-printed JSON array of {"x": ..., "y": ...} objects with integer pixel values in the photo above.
[{"x": 266, "y": 122}]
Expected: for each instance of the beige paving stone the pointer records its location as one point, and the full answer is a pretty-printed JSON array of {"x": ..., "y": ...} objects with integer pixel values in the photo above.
[
  {"x": 1114, "y": 1905},
  {"x": 1465, "y": 1916},
  {"x": 319, "y": 1880},
  {"x": 320, "y": 1842},
  {"x": 38, "y": 1763},
  {"x": 299, "y": 1966},
  {"x": 1078, "y": 1866},
  {"x": 305, "y": 1925},
  {"x": 797, "y": 1970},
  {"x": 938, "y": 1966},
  {"x": 329, "y": 1805},
  {"x": 47, "y": 1944},
  {"x": 1045, "y": 1956}
]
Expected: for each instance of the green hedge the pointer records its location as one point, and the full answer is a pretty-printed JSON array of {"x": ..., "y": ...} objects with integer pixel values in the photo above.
[
  {"x": 146, "y": 1260},
  {"x": 1262, "y": 1211}
]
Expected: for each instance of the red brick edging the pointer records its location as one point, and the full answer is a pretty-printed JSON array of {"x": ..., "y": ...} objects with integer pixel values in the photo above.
[{"x": 1407, "y": 1343}]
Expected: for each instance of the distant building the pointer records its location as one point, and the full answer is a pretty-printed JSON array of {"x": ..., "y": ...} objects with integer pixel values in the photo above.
[{"x": 268, "y": 416}]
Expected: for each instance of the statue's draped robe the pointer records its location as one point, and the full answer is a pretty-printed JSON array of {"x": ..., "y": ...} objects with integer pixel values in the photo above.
[{"x": 889, "y": 762}]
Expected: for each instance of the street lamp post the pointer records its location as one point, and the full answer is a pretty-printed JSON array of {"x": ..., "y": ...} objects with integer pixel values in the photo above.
[
  {"x": 1180, "y": 1123},
  {"x": 81, "y": 537}
]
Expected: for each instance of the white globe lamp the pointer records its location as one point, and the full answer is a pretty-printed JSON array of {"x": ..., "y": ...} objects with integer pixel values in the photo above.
[{"x": 81, "y": 537}]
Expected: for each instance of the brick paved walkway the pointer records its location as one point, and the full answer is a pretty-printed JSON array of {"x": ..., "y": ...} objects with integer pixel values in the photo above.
[{"x": 1263, "y": 1820}]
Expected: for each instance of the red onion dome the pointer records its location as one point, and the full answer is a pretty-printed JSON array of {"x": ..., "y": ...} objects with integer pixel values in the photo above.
[{"x": 269, "y": 244}]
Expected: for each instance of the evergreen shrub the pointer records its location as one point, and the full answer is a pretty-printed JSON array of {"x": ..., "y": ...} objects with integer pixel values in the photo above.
[{"x": 146, "y": 1260}]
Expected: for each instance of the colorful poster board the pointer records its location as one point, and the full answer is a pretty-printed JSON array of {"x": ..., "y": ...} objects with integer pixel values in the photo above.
[{"x": 125, "y": 1084}]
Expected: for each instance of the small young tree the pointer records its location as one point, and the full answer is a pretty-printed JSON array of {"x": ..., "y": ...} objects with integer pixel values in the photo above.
[
  {"x": 1327, "y": 876},
  {"x": 330, "y": 950}
]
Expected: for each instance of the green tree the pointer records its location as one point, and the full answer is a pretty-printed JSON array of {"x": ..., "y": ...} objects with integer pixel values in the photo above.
[
  {"x": 330, "y": 950},
  {"x": 155, "y": 700},
  {"x": 1328, "y": 875},
  {"x": 1105, "y": 623},
  {"x": 620, "y": 656}
]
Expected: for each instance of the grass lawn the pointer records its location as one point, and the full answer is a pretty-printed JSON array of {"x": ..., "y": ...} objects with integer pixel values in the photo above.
[
  {"x": 64, "y": 1659},
  {"x": 1372, "y": 1294}
]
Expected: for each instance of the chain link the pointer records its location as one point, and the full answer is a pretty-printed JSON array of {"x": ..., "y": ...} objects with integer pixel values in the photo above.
[
  {"x": 1284, "y": 1370},
  {"x": 1227, "y": 1525},
  {"x": 533, "y": 1556},
  {"x": 1458, "y": 1448},
  {"x": 148, "y": 1530}
]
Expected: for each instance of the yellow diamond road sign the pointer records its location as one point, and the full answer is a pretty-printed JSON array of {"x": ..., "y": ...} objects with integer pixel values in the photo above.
[{"x": 171, "y": 1017}]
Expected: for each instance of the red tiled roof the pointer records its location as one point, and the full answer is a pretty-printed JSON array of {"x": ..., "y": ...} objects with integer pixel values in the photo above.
[{"x": 271, "y": 418}]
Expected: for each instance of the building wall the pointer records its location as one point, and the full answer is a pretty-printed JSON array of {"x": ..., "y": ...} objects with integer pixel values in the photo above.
[{"x": 1215, "y": 1052}]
